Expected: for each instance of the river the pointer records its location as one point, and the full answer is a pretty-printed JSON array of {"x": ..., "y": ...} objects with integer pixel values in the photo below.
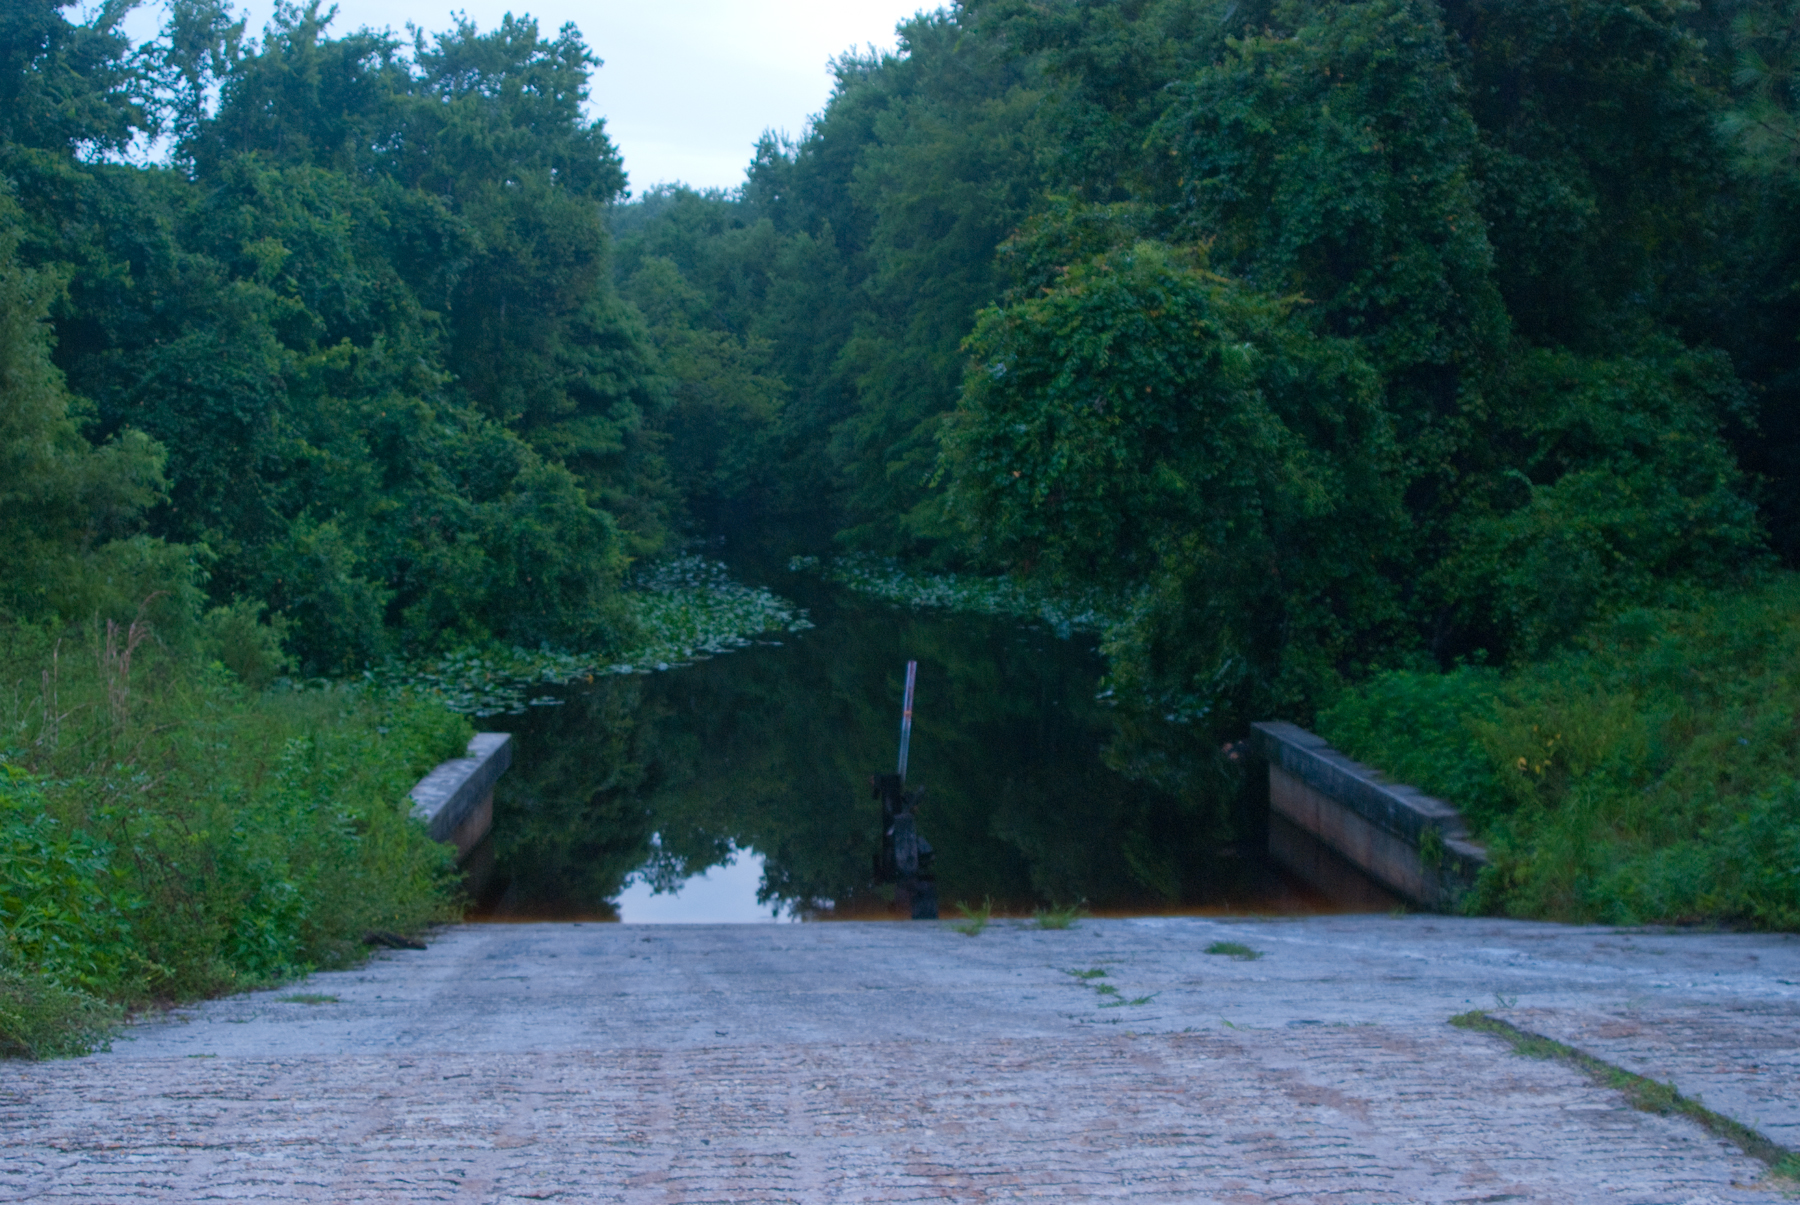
[{"x": 737, "y": 788}]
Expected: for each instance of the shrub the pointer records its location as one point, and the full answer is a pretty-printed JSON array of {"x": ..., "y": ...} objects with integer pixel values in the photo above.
[
  {"x": 166, "y": 832},
  {"x": 1648, "y": 774}
]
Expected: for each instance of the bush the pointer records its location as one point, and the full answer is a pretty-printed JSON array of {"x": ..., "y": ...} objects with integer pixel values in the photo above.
[
  {"x": 1652, "y": 773},
  {"x": 42, "y": 1020},
  {"x": 166, "y": 832}
]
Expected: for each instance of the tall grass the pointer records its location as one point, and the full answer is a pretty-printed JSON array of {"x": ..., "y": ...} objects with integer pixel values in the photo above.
[
  {"x": 168, "y": 832},
  {"x": 1652, "y": 773}
]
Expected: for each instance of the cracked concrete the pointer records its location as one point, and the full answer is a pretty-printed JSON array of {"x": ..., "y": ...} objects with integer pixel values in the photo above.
[{"x": 892, "y": 1062}]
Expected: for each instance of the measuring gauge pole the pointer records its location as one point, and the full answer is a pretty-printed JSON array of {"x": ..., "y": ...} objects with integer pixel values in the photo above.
[{"x": 912, "y": 672}]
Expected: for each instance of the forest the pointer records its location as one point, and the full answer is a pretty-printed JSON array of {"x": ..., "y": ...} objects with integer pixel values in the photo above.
[{"x": 1425, "y": 370}]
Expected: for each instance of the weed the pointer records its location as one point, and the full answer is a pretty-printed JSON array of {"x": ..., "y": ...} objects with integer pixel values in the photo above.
[
  {"x": 1094, "y": 973},
  {"x": 43, "y": 1020},
  {"x": 168, "y": 834},
  {"x": 308, "y": 998},
  {"x": 976, "y": 919},
  {"x": 1640, "y": 1092},
  {"x": 1505, "y": 1001},
  {"x": 1234, "y": 949},
  {"x": 1105, "y": 989},
  {"x": 1060, "y": 918}
]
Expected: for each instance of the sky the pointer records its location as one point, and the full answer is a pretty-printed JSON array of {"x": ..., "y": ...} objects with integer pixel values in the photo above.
[{"x": 688, "y": 85}]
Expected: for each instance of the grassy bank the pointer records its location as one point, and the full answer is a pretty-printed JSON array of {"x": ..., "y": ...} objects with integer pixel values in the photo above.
[
  {"x": 1647, "y": 774},
  {"x": 169, "y": 832},
  {"x": 172, "y": 827}
]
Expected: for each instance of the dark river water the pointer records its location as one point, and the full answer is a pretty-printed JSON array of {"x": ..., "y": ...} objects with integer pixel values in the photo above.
[{"x": 743, "y": 780}]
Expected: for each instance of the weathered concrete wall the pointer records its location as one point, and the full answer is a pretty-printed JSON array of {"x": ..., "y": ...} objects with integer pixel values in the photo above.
[
  {"x": 456, "y": 800},
  {"x": 1325, "y": 870},
  {"x": 1415, "y": 845}
]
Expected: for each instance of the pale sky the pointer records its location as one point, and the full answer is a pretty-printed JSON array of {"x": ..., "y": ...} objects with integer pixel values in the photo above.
[{"x": 688, "y": 85}]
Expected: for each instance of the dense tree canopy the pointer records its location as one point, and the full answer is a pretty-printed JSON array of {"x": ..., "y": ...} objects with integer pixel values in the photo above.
[
  {"x": 1318, "y": 337},
  {"x": 362, "y": 325}
]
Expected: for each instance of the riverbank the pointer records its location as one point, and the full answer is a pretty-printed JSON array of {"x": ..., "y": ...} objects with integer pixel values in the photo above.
[
  {"x": 1649, "y": 772},
  {"x": 869, "y": 1062}
]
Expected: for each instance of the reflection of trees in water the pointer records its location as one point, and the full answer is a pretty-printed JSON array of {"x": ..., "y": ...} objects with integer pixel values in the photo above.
[
  {"x": 773, "y": 748},
  {"x": 571, "y": 818}
]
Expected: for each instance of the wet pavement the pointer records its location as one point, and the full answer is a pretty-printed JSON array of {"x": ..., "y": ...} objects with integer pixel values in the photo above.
[{"x": 906, "y": 1061}]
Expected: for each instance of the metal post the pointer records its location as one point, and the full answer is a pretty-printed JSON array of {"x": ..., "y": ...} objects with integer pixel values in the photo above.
[{"x": 912, "y": 670}]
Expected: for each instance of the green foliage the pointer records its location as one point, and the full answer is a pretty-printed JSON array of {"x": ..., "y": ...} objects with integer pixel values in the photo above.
[
  {"x": 64, "y": 913},
  {"x": 886, "y": 579},
  {"x": 1648, "y": 774},
  {"x": 1765, "y": 123},
  {"x": 682, "y": 610},
  {"x": 1617, "y": 484},
  {"x": 41, "y": 1019},
  {"x": 1234, "y": 949},
  {"x": 369, "y": 319},
  {"x": 166, "y": 832},
  {"x": 69, "y": 511},
  {"x": 1331, "y": 157},
  {"x": 974, "y": 919},
  {"x": 1067, "y": 916},
  {"x": 1148, "y": 424}
]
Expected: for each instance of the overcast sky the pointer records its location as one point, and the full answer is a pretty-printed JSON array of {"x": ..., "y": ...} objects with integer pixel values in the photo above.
[{"x": 687, "y": 85}]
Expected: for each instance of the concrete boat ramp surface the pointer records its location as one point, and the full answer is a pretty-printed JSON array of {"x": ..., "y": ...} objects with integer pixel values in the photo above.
[{"x": 849, "y": 1062}]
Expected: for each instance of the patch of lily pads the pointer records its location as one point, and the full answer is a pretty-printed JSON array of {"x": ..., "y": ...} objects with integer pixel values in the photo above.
[
  {"x": 686, "y": 609},
  {"x": 969, "y": 593}
]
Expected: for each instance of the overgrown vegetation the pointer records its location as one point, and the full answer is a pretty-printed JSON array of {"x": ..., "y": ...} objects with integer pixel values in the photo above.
[
  {"x": 166, "y": 832},
  {"x": 1428, "y": 362},
  {"x": 1330, "y": 344},
  {"x": 681, "y": 610},
  {"x": 1649, "y": 772}
]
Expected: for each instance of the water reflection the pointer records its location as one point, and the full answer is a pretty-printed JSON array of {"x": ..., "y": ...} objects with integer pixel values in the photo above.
[
  {"x": 656, "y": 779},
  {"x": 724, "y": 894}
]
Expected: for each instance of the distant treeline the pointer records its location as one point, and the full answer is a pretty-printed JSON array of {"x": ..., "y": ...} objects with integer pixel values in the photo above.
[{"x": 1325, "y": 338}]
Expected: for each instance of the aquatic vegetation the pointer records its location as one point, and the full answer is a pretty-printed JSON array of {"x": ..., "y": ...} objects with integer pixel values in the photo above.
[
  {"x": 1234, "y": 949},
  {"x": 887, "y": 579},
  {"x": 684, "y": 610}
]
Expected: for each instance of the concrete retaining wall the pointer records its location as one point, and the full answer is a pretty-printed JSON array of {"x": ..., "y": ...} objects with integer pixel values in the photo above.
[
  {"x": 1416, "y": 846},
  {"x": 456, "y": 800}
]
